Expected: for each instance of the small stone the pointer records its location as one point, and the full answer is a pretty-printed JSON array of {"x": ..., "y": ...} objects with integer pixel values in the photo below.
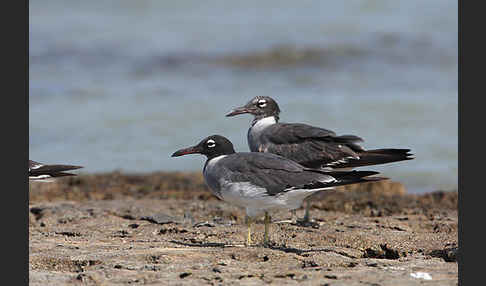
[
  {"x": 184, "y": 275},
  {"x": 159, "y": 218},
  {"x": 330, "y": 276}
]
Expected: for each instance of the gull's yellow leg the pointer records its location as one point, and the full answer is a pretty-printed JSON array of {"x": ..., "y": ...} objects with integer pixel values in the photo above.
[
  {"x": 294, "y": 216},
  {"x": 267, "y": 229},
  {"x": 248, "y": 223}
]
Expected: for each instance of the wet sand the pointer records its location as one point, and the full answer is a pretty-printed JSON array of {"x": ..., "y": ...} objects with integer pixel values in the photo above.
[{"x": 166, "y": 228}]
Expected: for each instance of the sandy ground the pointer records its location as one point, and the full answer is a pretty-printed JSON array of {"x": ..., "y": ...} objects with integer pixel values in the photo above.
[{"x": 167, "y": 229}]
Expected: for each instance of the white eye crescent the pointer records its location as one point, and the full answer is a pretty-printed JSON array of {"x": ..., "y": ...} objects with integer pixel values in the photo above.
[
  {"x": 210, "y": 143},
  {"x": 262, "y": 103}
]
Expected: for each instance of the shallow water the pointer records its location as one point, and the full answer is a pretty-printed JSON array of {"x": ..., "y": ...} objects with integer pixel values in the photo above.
[{"x": 123, "y": 86}]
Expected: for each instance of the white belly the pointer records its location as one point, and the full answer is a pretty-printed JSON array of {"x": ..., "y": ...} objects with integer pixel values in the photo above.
[{"x": 255, "y": 200}]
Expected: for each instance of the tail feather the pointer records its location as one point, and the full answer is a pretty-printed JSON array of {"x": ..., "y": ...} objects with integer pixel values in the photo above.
[
  {"x": 377, "y": 157},
  {"x": 354, "y": 177},
  {"x": 62, "y": 174},
  {"x": 345, "y": 178},
  {"x": 53, "y": 170},
  {"x": 48, "y": 177}
]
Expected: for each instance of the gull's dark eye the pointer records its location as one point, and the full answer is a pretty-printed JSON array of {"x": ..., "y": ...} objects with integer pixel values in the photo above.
[
  {"x": 210, "y": 143},
  {"x": 262, "y": 103}
]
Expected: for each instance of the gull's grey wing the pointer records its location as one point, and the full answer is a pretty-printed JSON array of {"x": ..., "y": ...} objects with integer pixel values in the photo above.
[
  {"x": 308, "y": 145},
  {"x": 274, "y": 173}
]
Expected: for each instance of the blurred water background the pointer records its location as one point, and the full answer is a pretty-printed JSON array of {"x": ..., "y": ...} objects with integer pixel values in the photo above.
[{"x": 121, "y": 85}]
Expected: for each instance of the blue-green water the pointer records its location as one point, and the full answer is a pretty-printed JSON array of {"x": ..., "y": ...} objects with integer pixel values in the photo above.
[{"x": 123, "y": 84}]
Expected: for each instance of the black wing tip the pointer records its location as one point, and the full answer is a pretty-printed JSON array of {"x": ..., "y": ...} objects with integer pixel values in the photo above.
[
  {"x": 390, "y": 150},
  {"x": 360, "y": 180},
  {"x": 375, "y": 179},
  {"x": 365, "y": 173},
  {"x": 359, "y": 176},
  {"x": 77, "y": 167},
  {"x": 348, "y": 174},
  {"x": 406, "y": 152},
  {"x": 355, "y": 173},
  {"x": 350, "y": 137},
  {"x": 382, "y": 156},
  {"x": 62, "y": 174},
  {"x": 408, "y": 155},
  {"x": 54, "y": 170},
  {"x": 62, "y": 168},
  {"x": 72, "y": 167}
]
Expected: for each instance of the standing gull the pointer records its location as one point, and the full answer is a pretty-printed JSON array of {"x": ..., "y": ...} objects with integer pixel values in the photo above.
[
  {"x": 264, "y": 182},
  {"x": 46, "y": 173},
  {"x": 310, "y": 146}
]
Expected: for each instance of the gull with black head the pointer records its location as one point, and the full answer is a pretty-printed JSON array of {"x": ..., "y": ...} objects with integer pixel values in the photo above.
[
  {"x": 310, "y": 146},
  {"x": 46, "y": 173},
  {"x": 263, "y": 183}
]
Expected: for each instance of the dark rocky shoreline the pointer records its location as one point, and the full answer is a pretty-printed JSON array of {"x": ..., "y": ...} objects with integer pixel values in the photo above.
[{"x": 167, "y": 228}]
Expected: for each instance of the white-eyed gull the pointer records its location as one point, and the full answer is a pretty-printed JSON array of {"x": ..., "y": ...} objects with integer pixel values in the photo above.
[
  {"x": 263, "y": 182},
  {"x": 310, "y": 146}
]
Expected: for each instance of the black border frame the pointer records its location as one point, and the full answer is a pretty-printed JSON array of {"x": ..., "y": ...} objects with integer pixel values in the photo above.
[{"x": 15, "y": 137}]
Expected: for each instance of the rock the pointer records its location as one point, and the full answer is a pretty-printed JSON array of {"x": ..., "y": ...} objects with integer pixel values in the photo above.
[
  {"x": 382, "y": 252},
  {"x": 184, "y": 275},
  {"x": 160, "y": 218},
  {"x": 448, "y": 254}
]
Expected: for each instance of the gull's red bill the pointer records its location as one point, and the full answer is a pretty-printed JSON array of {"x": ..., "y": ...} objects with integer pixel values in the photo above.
[
  {"x": 185, "y": 151},
  {"x": 239, "y": 110}
]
